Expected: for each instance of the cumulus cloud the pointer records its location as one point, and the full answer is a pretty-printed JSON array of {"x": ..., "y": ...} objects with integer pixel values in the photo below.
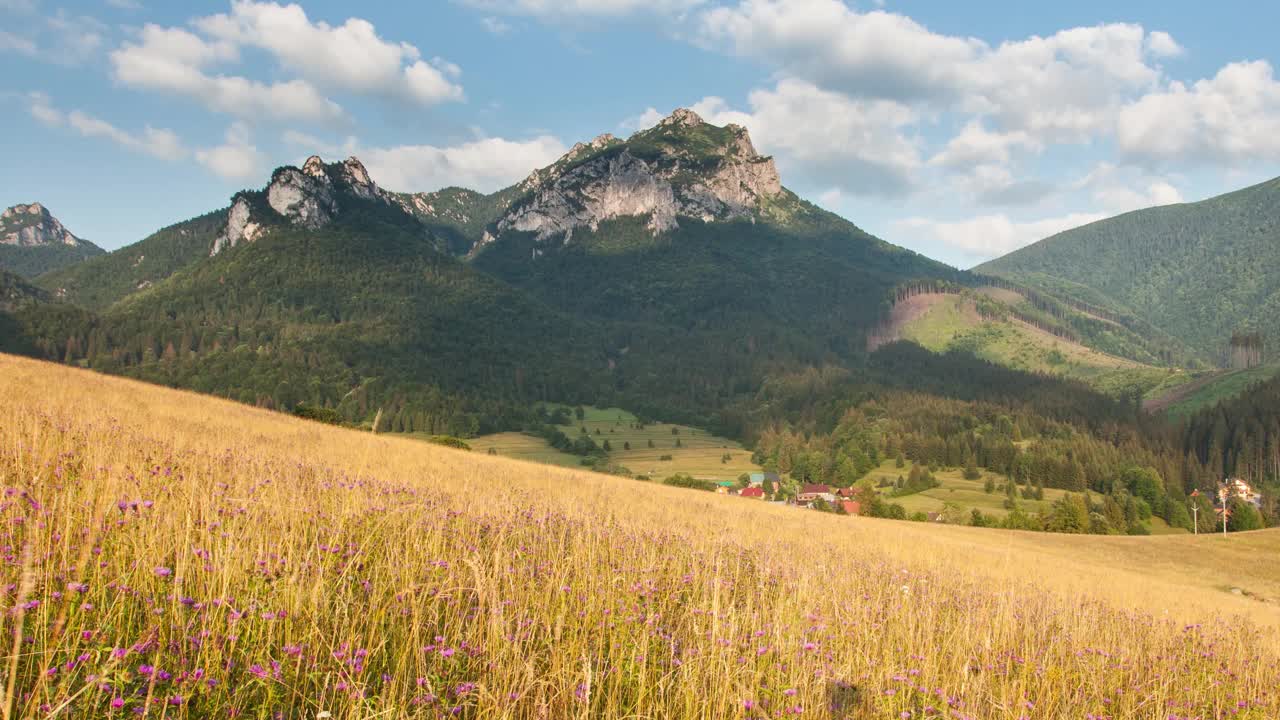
[
  {"x": 350, "y": 57},
  {"x": 236, "y": 158},
  {"x": 988, "y": 236},
  {"x": 156, "y": 142},
  {"x": 1061, "y": 87},
  {"x": 486, "y": 164},
  {"x": 175, "y": 60},
  {"x": 1162, "y": 44},
  {"x": 975, "y": 145},
  {"x": 1120, "y": 189},
  {"x": 1230, "y": 118}
]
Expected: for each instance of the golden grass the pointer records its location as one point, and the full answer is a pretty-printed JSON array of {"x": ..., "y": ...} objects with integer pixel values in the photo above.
[{"x": 272, "y": 566}]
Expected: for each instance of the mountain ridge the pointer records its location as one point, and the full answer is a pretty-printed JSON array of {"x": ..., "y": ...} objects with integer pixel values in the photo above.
[
  {"x": 1198, "y": 271},
  {"x": 322, "y": 287}
]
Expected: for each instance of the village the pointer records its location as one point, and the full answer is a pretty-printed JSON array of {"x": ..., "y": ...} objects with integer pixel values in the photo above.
[{"x": 768, "y": 487}]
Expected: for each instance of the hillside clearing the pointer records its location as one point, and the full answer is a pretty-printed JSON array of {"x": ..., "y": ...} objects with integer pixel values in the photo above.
[
  {"x": 248, "y": 563},
  {"x": 698, "y": 453},
  {"x": 1207, "y": 391}
]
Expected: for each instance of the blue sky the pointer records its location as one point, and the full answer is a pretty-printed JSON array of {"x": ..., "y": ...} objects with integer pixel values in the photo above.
[{"x": 961, "y": 130}]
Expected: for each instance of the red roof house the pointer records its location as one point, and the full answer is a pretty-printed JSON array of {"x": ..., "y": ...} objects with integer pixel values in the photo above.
[
  {"x": 752, "y": 492},
  {"x": 851, "y": 507},
  {"x": 811, "y": 492}
]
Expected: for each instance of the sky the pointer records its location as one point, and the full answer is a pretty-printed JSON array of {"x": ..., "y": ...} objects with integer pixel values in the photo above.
[{"x": 960, "y": 130}]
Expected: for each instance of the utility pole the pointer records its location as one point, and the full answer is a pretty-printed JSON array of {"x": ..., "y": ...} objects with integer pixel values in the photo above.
[{"x": 1223, "y": 492}]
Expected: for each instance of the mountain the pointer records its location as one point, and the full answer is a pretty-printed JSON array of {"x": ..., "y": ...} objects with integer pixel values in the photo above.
[
  {"x": 670, "y": 273},
  {"x": 33, "y": 241},
  {"x": 1200, "y": 272}
]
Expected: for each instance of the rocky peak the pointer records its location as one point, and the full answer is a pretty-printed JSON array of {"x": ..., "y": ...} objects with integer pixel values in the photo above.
[
  {"x": 682, "y": 117},
  {"x": 682, "y": 167},
  {"x": 314, "y": 167},
  {"x": 309, "y": 197},
  {"x": 32, "y": 225}
]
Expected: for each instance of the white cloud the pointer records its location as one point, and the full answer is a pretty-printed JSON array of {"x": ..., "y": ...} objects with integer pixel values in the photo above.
[
  {"x": 486, "y": 165},
  {"x": 976, "y": 145},
  {"x": 989, "y": 236},
  {"x": 42, "y": 109},
  {"x": 1063, "y": 87},
  {"x": 236, "y": 158},
  {"x": 1162, "y": 44},
  {"x": 1120, "y": 189},
  {"x": 350, "y": 57},
  {"x": 571, "y": 10},
  {"x": 1231, "y": 118},
  {"x": 993, "y": 184},
  {"x": 645, "y": 120},
  {"x": 125, "y": 4},
  {"x": 156, "y": 142},
  {"x": 174, "y": 60}
]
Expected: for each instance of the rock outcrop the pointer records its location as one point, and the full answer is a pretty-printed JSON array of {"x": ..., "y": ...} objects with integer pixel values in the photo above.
[
  {"x": 308, "y": 197},
  {"x": 683, "y": 167},
  {"x": 32, "y": 225}
]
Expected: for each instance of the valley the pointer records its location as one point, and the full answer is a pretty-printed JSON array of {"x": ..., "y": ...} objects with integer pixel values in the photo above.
[
  {"x": 352, "y": 568},
  {"x": 715, "y": 359}
]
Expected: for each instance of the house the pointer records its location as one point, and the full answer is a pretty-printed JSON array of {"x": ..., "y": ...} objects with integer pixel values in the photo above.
[
  {"x": 773, "y": 478},
  {"x": 847, "y": 492},
  {"x": 851, "y": 507},
  {"x": 725, "y": 487},
  {"x": 1237, "y": 487},
  {"x": 752, "y": 492},
  {"x": 756, "y": 479},
  {"x": 810, "y": 492},
  {"x": 936, "y": 517}
]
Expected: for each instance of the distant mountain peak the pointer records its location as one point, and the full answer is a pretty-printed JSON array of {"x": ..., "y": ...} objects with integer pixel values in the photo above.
[
  {"x": 682, "y": 117},
  {"x": 32, "y": 225},
  {"x": 682, "y": 167},
  {"x": 308, "y": 197}
]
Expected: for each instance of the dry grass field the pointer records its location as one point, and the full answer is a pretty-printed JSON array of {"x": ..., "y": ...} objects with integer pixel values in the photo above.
[{"x": 173, "y": 556}]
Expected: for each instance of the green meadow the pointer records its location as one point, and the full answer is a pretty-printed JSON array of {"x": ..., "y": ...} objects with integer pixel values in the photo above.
[{"x": 655, "y": 449}]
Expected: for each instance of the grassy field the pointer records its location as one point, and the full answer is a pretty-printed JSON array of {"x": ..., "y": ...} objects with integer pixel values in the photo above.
[
  {"x": 1208, "y": 390},
  {"x": 522, "y": 447},
  {"x": 700, "y": 454},
  {"x": 951, "y": 322},
  {"x": 174, "y": 556},
  {"x": 966, "y": 494}
]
